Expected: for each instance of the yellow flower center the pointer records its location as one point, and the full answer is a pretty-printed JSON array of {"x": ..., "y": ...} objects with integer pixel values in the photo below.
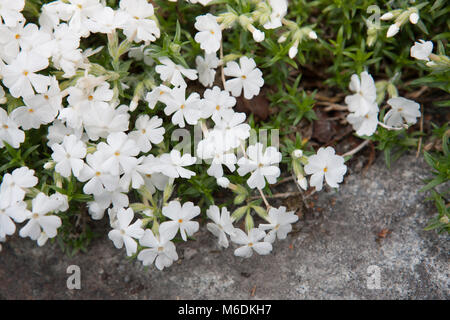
[{"x": 217, "y": 107}]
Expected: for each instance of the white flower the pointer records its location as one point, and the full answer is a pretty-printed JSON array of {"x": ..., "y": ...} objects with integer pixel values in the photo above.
[
  {"x": 10, "y": 12},
  {"x": 99, "y": 178},
  {"x": 39, "y": 220},
  {"x": 216, "y": 102},
  {"x": 66, "y": 55},
  {"x": 402, "y": 110},
  {"x": 33, "y": 114},
  {"x": 141, "y": 53},
  {"x": 61, "y": 200},
  {"x": 119, "y": 151},
  {"x": 326, "y": 164},
  {"x": 124, "y": 232},
  {"x": 362, "y": 102},
  {"x": 138, "y": 26},
  {"x": 181, "y": 219},
  {"x": 208, "y": 149},
  {"x": 104, "y": 200},
  {"x": 78, "y": 12},
  {"x": 171, "y": 164},
  {"x": 221, "y": 225},
  {"x": 393, "y": 30},
  {"x": 223, "y": 182},
  {"x": 9, "y": 131},
  {"x": 20, "y": 76},
  {"x": 162, "y": 251},
  {"x": 68, "y": 156},
  {"x": 247, "y": 78},
  {"x": 15, "y": 184},
  {"x": 261, "y": 165},
  {"x": 135, "y": 176},
  {"x": 230, "y": 130},
  {"x": 161, "y": 93},
  {"x": 107, "y": 20},
  {"x": 422, "y": 50},
  {"x": 183, "y": 109},
  {"x": 57, "y": 131},
  {"x": 279, "y": 10},
  {"x": 148, "y": 131},
  {"x": 10, "y": 211},
  {"x": 206, "y": 68},
  {"x": 153, "y": 179},
  {"x": 209, "y": 35},
  {"x": 280, "y": 223},
  {"x": 364, "y": 125},
  {"x": 169, "y": 71},
  {"x": 250, "y": 242},
  {"x": 51, "y": 98},
  {"x": 104, "y": 119}
]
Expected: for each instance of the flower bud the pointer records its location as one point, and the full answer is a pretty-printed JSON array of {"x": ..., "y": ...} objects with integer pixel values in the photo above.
[
  {"x": 413, "y": 18},
  {"x": 258, "y": 35},
  {"x": 223, "y": 182},
  {"x": 282, "y": 38},
  {"x": 444, "y": 220},
  {"x": 302, "y": 182},
  {"x": 393, "y": 30},
  {"x": 387, "y": 16},
  {"x": 297, "y": 153},
  {"x": 293, "y": 51},
  {"x": 312, "y": 35},
  {"x": 49, "y": 165}
]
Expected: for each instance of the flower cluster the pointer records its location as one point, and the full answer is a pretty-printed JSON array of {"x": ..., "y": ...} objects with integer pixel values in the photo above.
[
  {"x": 363, "y": 107},
  {"x": 103, "y": 120}
]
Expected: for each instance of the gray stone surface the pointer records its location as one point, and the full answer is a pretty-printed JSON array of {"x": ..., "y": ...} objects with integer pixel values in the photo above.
[{"x": 327, "y": 257}]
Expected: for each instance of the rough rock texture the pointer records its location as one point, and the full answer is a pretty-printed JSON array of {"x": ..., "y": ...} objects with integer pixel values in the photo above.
[{"x": 327, "y": 257}]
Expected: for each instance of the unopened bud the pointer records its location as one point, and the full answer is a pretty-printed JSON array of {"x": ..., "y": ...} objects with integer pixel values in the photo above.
[
  {"x": 302, "y": 182},
  {"x": 413, "y": 18},
  {"x": 393, "y": 30},
  {"x": 387, "y": 16},
  {"x": 444, "y": 220},
  {"x": 312, "y": 35}
]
